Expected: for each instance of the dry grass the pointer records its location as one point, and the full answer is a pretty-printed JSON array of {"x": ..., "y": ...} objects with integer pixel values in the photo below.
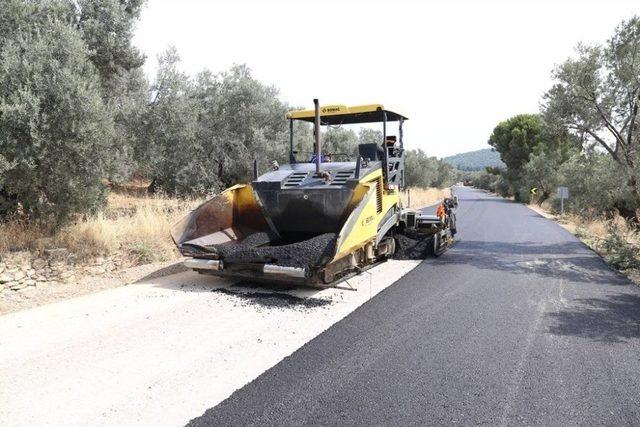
[
  {"x": 134, "y": 228},
  {"x": 16, "y": 235},
  {"x": 415, "y": 197},
  {"x": 592, "y": 228},
  {"x": 615, "y": 239}
]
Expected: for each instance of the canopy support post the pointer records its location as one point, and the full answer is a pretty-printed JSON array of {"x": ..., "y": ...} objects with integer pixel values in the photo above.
[
  {"x": 316, "y": 129},
  {"x": 292, "y": 157},
  {"x": 385, "y": 165}
]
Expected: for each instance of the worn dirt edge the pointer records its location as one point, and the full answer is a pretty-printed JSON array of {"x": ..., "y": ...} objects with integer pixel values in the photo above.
[{"x": 36, "y": 296}]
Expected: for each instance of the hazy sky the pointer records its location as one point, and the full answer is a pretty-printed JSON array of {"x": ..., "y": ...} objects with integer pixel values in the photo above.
[{"x": 454, "y": 68}]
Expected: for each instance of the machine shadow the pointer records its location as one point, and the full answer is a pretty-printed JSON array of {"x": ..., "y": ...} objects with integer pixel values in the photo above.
[
  {"x": 174, "y": 268},
  {"x": 611, "y": 319},
  {"x": 178, "y": 278}
]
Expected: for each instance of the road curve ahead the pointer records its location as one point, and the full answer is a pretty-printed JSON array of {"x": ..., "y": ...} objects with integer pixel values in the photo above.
[{"x": 519, "y": 323}]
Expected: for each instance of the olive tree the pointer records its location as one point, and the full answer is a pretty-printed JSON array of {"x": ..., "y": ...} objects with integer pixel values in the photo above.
[
  {"x": 203, "y": 134},
  {"x": 107, "y": 27},
  {"x": 369, "y": 136},
  {"x": 168, "y": 150},
  {"x": 54, "y": 128},
  {"x": 420, "y": 169},
  {"x": 340, "y": 143},
  {"x": 597, "y": 95}
]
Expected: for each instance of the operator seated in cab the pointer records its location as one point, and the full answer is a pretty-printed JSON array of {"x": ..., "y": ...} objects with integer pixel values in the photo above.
[{"x": 324, "y": 157}]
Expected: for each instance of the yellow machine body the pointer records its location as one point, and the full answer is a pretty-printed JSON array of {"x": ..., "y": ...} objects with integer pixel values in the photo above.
[{"x": 354, "y": 206}]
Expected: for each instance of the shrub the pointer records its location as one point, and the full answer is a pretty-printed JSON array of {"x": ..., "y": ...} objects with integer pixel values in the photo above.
[{"x": 618, "y": 251}]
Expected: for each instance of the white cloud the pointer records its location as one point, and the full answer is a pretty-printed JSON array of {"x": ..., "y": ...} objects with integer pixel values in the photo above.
[{"x": 455, "y": 68}]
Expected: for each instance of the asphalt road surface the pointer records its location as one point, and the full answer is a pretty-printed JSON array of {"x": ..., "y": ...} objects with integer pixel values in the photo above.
[{"x": 518, "y": 323}]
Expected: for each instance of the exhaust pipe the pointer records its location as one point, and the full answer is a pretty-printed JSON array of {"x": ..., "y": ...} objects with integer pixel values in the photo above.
[
  {"x": 316, "y": 130},
  {"x": 203, "y": 264},
  {"x": 285, "y": 271}
]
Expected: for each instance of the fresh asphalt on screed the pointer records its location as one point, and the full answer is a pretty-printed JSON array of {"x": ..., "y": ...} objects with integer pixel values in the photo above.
[{"x": 518, "y": 323}]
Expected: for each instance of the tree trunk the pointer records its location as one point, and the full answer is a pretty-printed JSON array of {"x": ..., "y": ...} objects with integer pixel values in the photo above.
[
  {"x": 629, "y": 212},
  {"x": 153, "y": 186},
  {"x": 543, "y": 197},
  {"x": 220, "y": 170}
]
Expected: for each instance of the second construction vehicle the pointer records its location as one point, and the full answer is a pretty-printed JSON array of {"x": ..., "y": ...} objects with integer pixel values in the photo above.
[{"x": 313, "y": 221}]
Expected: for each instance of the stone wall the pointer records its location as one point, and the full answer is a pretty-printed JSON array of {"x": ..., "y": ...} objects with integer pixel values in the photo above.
[{"x": 19, "y": 270}]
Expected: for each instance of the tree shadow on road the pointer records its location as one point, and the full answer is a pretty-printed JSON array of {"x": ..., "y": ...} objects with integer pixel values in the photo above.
[
  {"x": 487, "y": 199},
  {"x": 570, "y": 261},
  {"x": 611, "y": 319}
]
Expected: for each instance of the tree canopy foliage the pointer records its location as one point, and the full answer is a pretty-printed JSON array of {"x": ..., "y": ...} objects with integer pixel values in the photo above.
[
  {"x": 516, "y": 138},
  {"x": 55, "y": 129},
  {"x": 424, "y": 171},
  {"x": 528, "y": 144},
  {"x": 596, "y": 96},
  {"x": 203, "y": 134}
]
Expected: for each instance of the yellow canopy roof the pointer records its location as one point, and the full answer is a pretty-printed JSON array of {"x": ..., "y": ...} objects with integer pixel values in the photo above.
[{"x": 341, "y": 114}]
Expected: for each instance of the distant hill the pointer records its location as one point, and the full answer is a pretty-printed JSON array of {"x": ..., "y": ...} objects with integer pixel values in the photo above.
[{"x": 475, "y": 160}]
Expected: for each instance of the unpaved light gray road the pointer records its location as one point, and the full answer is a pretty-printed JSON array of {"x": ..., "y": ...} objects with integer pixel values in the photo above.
[
  {"x": 519, "y": 323},
  {"x": 162, "y": 351}
]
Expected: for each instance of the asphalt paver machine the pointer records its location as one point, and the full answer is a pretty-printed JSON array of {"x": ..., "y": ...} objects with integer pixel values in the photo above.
[{"x": 312, "y": 221}]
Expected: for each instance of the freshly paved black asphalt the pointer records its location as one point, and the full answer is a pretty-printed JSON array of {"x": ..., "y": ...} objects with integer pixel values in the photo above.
[{"x": 518, "y": 323}]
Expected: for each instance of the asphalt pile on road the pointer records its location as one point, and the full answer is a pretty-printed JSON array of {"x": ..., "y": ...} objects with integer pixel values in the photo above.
[
  {"x": 416, "y": 247},
  {"x": 274, "y": 300},
  {"x": 263, "y": 248}
]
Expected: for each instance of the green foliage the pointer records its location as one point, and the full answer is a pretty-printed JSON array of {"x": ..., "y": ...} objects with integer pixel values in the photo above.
[
  {"x": 71, "y": 90},
  {"x": 594, "y": 182},
  {"x": 420, "y": 169},
  {"x": 468, "y": 177},
  {"x": 475, "y": 160},
  {"x": 515, "y": 139},
  {"x": 168, "y": 149},
  {"x": 369, "y": 136},
  {"x": 54, "y": 127},
  {"x": 586, "y": 137},
  {"x": 447, "y": 175},
  {"x": 341, "y": 143},
  {"x": 618, "y": 251},
  {"x": 424, "y": 171},
  {"x": 107, "y": 28},
  {"x": 201, "y": 135},
  {"x": 532, "y": 150},
  {"x": 541, "y": 172},
  {"x": 503, "y": 187},
  {"x": 486, "y": 181},
  {"x": 596, "y": 96}
]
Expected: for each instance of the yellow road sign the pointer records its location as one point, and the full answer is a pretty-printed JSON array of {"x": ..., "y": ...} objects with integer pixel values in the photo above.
[{"x": 534, "y": 190}]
